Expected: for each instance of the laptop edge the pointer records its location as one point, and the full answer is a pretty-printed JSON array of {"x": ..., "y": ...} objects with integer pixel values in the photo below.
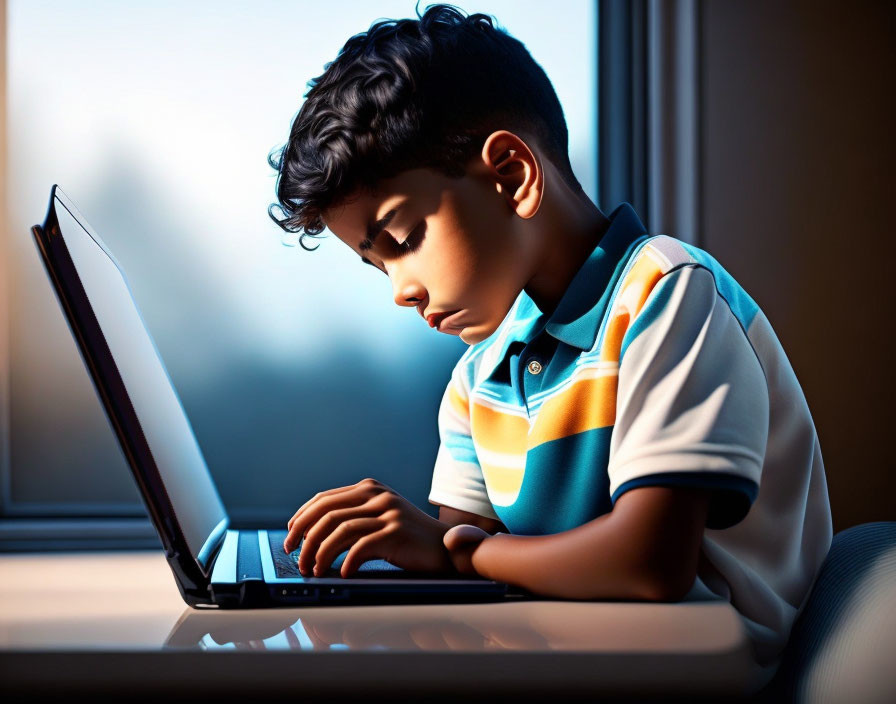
[
  {"x": 206, "y": 574},
  {"x": 192, "y": 579}
]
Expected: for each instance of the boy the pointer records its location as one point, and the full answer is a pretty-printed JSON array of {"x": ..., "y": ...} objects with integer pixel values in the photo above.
[{"x": 624, "y": 424}]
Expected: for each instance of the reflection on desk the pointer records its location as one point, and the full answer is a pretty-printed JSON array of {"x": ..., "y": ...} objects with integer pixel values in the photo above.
[
  {"x": 101, "y": 622},
  {"x": 544, "y": 626}
]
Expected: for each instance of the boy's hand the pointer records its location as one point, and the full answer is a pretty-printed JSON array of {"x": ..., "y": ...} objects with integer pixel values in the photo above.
[
  {"x": 372, "y": 521},
  {"x": 462, "y": 542}
]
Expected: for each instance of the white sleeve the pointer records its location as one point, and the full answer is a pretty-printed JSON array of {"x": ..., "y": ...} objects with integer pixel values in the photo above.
[
  {"x": 692, "y": 403},
  {"x": 457, "y": 480}
]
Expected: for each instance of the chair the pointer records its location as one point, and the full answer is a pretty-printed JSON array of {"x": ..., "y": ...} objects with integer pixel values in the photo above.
[{"x": 843, "y": 645}]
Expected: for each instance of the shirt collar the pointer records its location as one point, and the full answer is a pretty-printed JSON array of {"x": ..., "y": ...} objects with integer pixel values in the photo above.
[{"x": 577, "y": 317}]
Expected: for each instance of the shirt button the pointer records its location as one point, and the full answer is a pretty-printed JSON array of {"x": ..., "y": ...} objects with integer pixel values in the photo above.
[{"x": 534, "y": 366}]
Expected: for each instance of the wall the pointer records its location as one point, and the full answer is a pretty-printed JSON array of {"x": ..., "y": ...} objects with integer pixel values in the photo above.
[{"x": 798, "y": 156}]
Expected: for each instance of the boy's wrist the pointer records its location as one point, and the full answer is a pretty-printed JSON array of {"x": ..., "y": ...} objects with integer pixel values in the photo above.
[
  {"x": 463, "y": 542},
  {"x": 446, "y": 563},
  {"x": 488, "y": 553}
]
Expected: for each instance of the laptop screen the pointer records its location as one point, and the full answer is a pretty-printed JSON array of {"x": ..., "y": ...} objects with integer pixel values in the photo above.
[{"x": 197, "y": 505}]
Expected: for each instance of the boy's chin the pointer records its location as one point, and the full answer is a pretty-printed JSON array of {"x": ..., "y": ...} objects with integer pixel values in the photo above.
[{"x": 476, "y": 334}]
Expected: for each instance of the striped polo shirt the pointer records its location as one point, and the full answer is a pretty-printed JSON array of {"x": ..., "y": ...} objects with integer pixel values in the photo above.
[{"x": 655, "y": 369}]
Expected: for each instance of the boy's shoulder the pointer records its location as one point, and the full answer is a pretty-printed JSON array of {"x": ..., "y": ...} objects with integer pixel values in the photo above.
[
  {"x": 649, "y": 262},
  {"x": 659, "y": 255}
]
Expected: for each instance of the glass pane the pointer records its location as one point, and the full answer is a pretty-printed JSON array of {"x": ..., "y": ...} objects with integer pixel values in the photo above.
[{"x": 297, "y": 370}]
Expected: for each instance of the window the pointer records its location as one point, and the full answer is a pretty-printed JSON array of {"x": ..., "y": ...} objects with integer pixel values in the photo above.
[{"x": 156, "y": 119}]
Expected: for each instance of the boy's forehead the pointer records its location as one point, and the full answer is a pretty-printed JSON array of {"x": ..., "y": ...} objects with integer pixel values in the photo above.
[
  {"x": 357, "y": 217},
  {"x": 364, "y": 212}
]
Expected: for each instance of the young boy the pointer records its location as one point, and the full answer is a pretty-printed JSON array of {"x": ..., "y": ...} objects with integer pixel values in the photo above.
[{"x": 625, "y": 423}]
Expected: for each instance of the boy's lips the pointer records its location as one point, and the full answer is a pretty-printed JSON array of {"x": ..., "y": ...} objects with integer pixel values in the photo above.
[{"x": 436, "y": 320}]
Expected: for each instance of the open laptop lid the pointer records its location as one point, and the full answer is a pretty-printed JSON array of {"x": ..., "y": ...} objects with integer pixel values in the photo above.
[{"x": 137, "y": 393}]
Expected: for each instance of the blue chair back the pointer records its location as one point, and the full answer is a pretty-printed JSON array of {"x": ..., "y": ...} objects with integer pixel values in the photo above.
[{"x": 843, "y": 645}]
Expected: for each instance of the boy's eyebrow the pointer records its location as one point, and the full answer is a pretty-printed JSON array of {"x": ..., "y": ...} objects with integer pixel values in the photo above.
[{"x": 375, "y": 228}]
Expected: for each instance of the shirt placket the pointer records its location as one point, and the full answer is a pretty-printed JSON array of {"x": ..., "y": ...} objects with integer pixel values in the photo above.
[{"x": 531, "y": 369}]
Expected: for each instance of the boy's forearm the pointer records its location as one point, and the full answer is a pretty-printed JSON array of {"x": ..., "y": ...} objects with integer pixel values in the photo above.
[
  {"x": 647, "y": 547},
  {"x": 593, "y": 561}
]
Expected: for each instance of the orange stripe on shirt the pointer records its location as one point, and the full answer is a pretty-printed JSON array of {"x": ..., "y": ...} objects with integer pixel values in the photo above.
[
  {"x": 588, "y": 403},
  {"x": 505, "y": 481},
  {"x": 498, "y": 432},
  {"x": 635, "y": 288},
  {"x": 460, "y": 404}
]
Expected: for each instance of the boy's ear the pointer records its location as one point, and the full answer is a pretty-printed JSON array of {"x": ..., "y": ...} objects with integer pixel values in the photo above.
[{"x": 516, "y": 170}]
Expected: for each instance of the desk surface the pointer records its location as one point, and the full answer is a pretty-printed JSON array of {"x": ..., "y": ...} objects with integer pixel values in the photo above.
[{"x": 100, "y": 621}]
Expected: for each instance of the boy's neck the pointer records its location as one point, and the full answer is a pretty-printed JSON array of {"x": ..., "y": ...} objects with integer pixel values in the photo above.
[{"x": 568, "y": 228}]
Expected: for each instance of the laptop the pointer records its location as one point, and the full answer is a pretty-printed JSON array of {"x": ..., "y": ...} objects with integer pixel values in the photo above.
[{"x": 212, "y": 563}]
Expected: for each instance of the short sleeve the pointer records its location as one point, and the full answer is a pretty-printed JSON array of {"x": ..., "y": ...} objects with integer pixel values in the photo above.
[
  {"x": 457, "y": 480},
  {"x": 692, "y": 402}
]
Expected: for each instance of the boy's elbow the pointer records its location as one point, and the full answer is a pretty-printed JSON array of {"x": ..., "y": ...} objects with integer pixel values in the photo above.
[
  {"x": 667, "y": 587},
  {"x": 634, "y": 584}
]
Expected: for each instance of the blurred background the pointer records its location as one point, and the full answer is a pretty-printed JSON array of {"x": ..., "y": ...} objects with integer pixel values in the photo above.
[{"x": 296, "y": 368}]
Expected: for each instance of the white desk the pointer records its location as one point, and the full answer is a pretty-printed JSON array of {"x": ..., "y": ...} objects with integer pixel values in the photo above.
[{"x": 113, "y": 623}]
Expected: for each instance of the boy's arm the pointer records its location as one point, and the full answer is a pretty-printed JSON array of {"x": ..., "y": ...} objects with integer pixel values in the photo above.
[
  {"x": 371, "y": 520},
  {"x": 455, "y": 517},
  {"x": 646, "y": 548}
]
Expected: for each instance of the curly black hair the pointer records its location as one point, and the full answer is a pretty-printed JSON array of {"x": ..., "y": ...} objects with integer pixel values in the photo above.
[{"x": 411, "y": 93}]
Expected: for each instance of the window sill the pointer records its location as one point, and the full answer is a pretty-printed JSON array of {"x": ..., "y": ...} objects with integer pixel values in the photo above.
[{"x": 54, "y": 534}]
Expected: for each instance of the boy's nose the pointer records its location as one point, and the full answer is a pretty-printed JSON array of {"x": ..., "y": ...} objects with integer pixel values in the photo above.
[{"x": 409, "y": 294}]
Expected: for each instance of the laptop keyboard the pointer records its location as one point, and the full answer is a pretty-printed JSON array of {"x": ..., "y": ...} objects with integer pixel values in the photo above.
[
  {"x": 288, "y": 565},
  {"x": 248, "y": 560}
]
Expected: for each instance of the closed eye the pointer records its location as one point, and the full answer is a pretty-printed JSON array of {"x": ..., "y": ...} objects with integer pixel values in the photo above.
[
  {"x": 415, "y": 236},
  {"x": 409, "y": 244}
]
